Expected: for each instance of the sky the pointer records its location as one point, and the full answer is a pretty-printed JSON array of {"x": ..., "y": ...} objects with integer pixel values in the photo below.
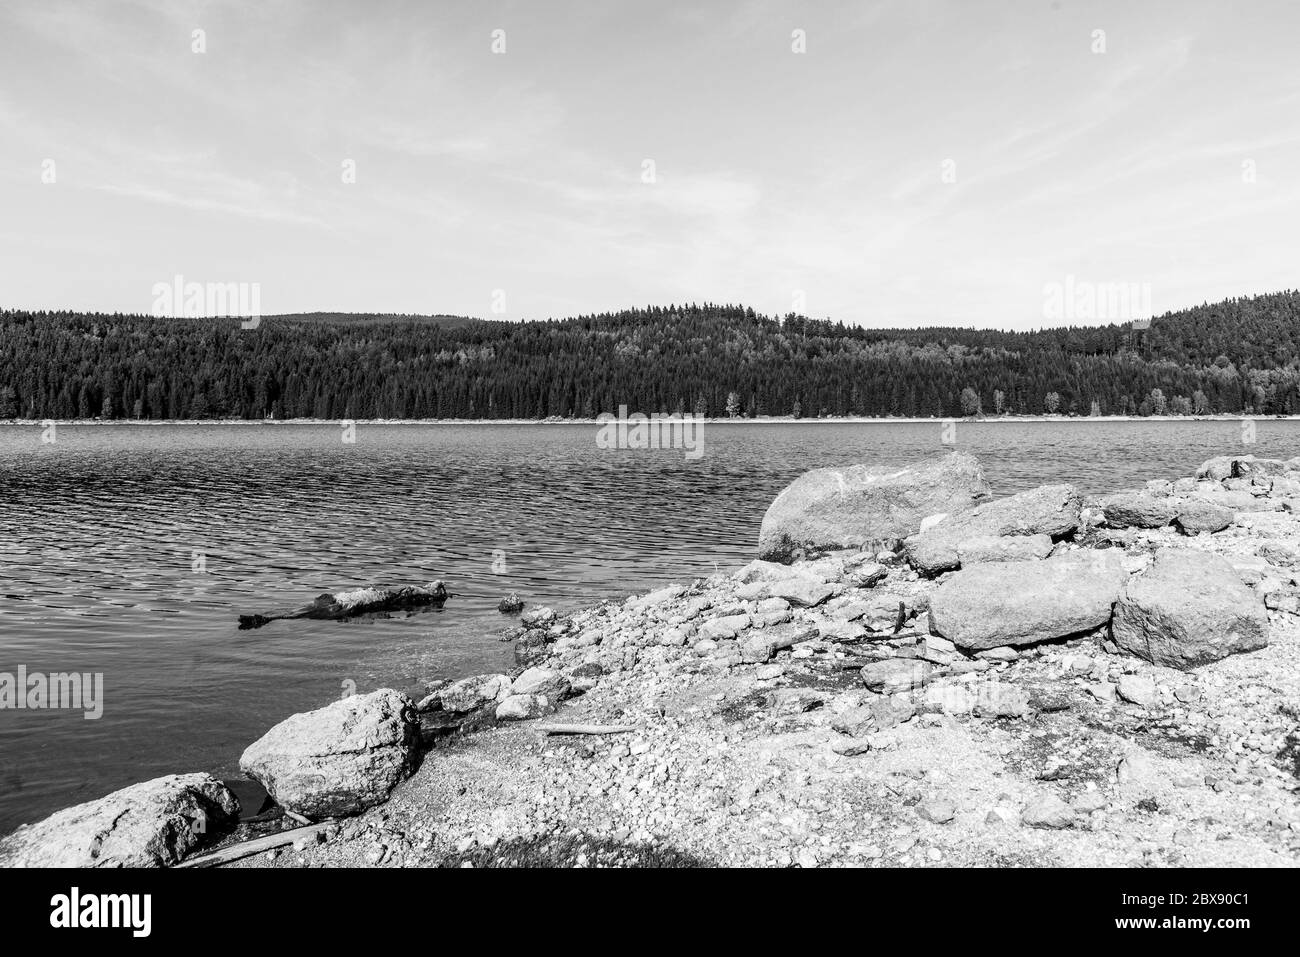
[{"x": 905, "y": 163}]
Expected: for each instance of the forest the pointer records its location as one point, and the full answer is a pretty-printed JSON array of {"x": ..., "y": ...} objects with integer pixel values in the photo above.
[{"x": 1237, "y": 356}]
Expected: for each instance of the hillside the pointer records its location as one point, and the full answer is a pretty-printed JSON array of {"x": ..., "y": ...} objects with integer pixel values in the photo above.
[{"x": 1242, "y": 355}]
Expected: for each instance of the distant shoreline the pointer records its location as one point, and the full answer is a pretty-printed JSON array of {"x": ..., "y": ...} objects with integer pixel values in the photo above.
[{"x": 761, "y": 420}]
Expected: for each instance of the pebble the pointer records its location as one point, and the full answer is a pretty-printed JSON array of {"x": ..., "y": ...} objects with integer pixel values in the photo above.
[
  {"x": 936, "y": 811},
  {"x": 1048, "y": 811}
]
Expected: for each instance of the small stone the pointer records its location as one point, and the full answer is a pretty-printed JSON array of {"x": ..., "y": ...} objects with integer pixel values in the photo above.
[
  {"x": 999, "y": 816},
  {"x": 936, "y": 811},
  {"x": 539, "y": 617},
  {"x": 896, "y": 674},
  {"x": 1102, "y": 691},
  {"x": 851, "y": 747},
  {"x": 1089, "y": 801},
  {"x": 1048, "y": 811},
  {"x": 1139, "y": 690},
  {"x": 1135, "y": 767},
  {"x": 996, "y": 699}
]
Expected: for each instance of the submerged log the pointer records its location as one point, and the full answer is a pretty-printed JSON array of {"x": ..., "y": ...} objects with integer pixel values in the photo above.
[{"x": 359, "y": 601}]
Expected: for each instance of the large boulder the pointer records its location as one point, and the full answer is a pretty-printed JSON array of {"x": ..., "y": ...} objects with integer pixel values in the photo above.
[
  {"x": 1003, "y": 548},
  {"x": 474, "y": 692},
  {"x": 339, "y": 759},
  {"x": 1020, "y": 603},
  {"x": 152, "y": 824},
  {"x": 541, "y": 681},
  {"x": 1196, "y": 516},
  {"x": 1051, "y": 510},
  {"x": 1136, "y": 510},
  {"x": 849, "y": 507},
  {"x": 1188, "y": 608},
  {"x": 1237, "y": 466}
]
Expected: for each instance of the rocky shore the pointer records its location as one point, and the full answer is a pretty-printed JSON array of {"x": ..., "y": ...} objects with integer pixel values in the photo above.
[{"x": 913, "y": 673}]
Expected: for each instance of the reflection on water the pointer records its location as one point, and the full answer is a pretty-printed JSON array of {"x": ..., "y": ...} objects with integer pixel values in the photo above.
[{"x": 132, "y": 550}]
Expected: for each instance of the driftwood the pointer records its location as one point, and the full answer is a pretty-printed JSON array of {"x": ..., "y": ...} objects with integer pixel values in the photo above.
[
  {"x": 588, "y": 728},
  {"x": 878, "y": 636},
  {"x": 360, "y": 601},
  {"x": 244, "y": 849}
]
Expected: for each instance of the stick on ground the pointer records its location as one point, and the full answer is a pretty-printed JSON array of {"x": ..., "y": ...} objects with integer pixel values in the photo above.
[
  {"x": 256, "y": 846},
  {"x": 588, "y": 728}
]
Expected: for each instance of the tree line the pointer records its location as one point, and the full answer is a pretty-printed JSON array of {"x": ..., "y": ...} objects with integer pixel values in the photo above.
[{"x": 1237, "y": 356}]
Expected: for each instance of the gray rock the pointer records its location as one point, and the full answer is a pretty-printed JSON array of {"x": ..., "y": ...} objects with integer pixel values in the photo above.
[
  {"x": 995, "y": 699},
  {"x": 803, "y": 591},
  {"x": 951, "y": 699},
  {"x": 727, "y": 626},
  {"x": 1190, "y": 607},
  {"x": 1136, "y": 510},
  {"x": 522, "y": 707},
  {"x": 759, "y": 646},
  {"x": 152, "y": 824},
  {"x": 936, "y": 811},
  {"x": 880, "y": 610},
  {"x": 1089, "y": 801},
  {"x": 851, "y": 747},
  {"x": 999, "y": 817},
  {"x": 337, "y": 760},
  {"x": 868, "y": 574},
  {"x": 1195, "y": 517},
  {"x": 1226, "y": 498},
  {"x": 1051, "y": 510},
  {"x": 1138, "y": 689},
  {"x": 760, "y": 570},
  {"x": 1003, "y": 548},
  {"x": 1020, "y": 603},
  {"x": 1137, "y": 768},
  {"x": 541, "y": 681},
  {"x": 792, "y": 701},
  {"x": 1283, "y": 554},
  {"x": 1235, "y": 466},
  {"x": 889, "y": 711},
  {"x": 531, "y": 647},
  {"x": 538, "y": 617},
  {"x": 847, "y": 507},
  {"x": 896, "y": 674},
  {"x": 855, "y": 722},
  {"x": 470, "y": 694},
  {"x": 1048, "y": 811}
]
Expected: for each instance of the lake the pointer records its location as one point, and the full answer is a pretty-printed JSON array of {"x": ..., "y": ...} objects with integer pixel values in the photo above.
[{"x": 131, "y": 550}]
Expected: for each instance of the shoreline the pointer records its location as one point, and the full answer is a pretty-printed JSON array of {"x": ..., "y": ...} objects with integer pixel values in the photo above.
[
  {"x": 762, "y": 420},
  {"x": 742, "y": 724}
]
